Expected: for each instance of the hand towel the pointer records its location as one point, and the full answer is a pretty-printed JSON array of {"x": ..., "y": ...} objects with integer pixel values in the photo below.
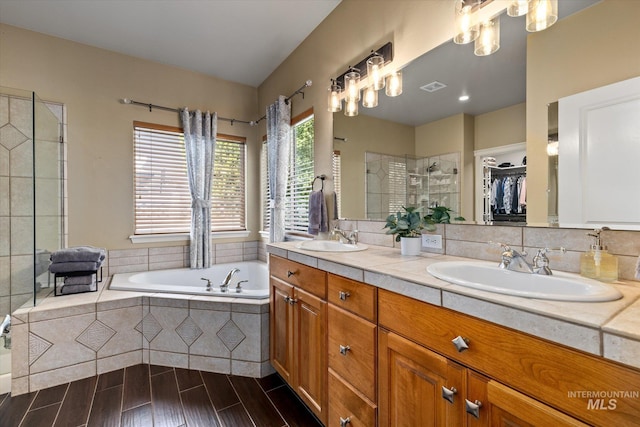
[
  {"x": 79, "y": 280},
  {"x": 79, "y": 254},
  {"x": 318, "y": 218},
  {"x": 70, "y": 267},
  {"x": 638, "y": 269}
]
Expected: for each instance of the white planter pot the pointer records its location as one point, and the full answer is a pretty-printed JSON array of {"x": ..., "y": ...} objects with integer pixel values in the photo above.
[{"x": 410, "y": 245}]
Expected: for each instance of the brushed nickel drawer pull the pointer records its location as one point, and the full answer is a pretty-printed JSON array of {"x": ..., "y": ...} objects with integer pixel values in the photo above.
[
  {"x": 461, "y": 343},
  {"x": 473, "y": 408},
  {"x": 290, "y": 273},
  {"x": 344, "y": 295},
  {"x": 344, "y": 349},
  {"x": 345, "y": 421},
  {"x": 447, "y": 393}
]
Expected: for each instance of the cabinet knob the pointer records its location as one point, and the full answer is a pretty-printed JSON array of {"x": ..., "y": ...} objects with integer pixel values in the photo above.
[
  {"x": 473, "y": 408},
  {"x": 292, "y": 301},
  {"x": 461, "y": 343},
  {"x": 290, "y": 273},
  {"x": 345, "y": 421},
  {"x": 286, "y": 298},
  {"x": 344, "y": 295},
  {"x": 447, "y": 393},
  {"x": 344, "y": 349}
]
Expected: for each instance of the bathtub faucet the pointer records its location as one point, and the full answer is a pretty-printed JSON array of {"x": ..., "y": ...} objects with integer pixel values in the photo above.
[{"x": 224, "y": 286}]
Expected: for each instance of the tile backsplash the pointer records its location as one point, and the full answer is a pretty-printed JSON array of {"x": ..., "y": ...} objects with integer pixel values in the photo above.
[{"x": 471, "y": 241}]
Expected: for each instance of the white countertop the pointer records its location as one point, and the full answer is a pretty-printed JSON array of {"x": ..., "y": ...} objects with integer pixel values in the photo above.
[{"x": 608, "y": 329}]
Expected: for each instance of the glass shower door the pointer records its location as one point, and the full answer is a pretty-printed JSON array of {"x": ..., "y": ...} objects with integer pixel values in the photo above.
[{"x": 48, "y": 171}]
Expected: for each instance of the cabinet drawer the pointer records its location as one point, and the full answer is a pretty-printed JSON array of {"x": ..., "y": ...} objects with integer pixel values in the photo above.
[
  {"x": 548, "y": 371},
  {"x": 346, "y": 403},
  {"x": 352, "y": 350},
  {"x": 356, "y": 297},
  {"x": 308, "y": 278}
]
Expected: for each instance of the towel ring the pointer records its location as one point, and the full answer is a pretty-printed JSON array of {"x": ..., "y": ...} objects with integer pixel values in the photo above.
[{"x": 321, "y": 178}]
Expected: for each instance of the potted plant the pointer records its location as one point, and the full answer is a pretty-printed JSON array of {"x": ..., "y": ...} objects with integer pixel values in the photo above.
[
  {"x": 407, "y": 226},
  {"x": 440, "y": 215}
]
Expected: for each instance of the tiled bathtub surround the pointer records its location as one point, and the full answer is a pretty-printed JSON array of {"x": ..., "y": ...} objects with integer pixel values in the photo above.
[
  {"x": 470, "y": 241},
  {"x": 146, "y": 259},
  {"x": 76, "y": 336}
]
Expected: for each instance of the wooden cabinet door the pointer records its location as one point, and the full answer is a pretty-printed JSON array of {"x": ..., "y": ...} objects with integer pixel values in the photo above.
[
  {"x": 281, "y": 328},
  {"x": 509, "y": 408},
  {"x": 411, "y": 381},
  {"x": 310, "y": 347}
]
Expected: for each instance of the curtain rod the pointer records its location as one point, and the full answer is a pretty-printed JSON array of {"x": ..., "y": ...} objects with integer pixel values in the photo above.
[{"x": 250, "y": 123}]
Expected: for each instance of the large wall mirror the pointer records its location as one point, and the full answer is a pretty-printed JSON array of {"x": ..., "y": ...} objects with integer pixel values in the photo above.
[{"x": 421, "y": 125}]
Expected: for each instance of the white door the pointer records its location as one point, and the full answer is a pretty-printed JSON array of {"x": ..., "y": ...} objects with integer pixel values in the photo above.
[{"x": 599, "y": 157}]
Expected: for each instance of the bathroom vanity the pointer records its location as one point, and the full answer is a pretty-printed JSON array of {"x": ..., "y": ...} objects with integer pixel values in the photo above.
[{"x": 371, "y": 339}]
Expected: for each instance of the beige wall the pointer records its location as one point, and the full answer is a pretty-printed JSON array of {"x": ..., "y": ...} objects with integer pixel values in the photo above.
[
  {"x": 363, "y": 134},
  {"x": 90, "y": 82},
  {"x": 501, "y": 127},
  {"x": 595, "y": 47}
]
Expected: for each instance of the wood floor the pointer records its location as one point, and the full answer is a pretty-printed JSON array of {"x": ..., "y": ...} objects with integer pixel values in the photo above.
[{"x": 148, "y": 395}]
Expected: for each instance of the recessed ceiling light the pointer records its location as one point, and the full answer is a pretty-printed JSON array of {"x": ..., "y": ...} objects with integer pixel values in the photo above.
[
  {"x": 433, "y": 86},
  {"x": 463, "y": 98}
]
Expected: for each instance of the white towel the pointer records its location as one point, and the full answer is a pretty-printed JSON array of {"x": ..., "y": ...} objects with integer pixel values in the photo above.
[
  {"x": 318, "y": 218},
  {"x": 638, "y": 269}
]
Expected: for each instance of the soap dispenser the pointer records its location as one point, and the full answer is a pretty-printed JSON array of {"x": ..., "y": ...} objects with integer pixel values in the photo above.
[{"x": 598, "y": 263}]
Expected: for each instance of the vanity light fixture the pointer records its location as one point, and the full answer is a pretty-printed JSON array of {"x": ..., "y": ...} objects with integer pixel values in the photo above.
[
  {"x": 541, "y": 14},
  {"x": 334, "y": 97},
  {"x": 466, "y": 24},
  {"x": 369, "y": 97},
  {"x": 369, "y": 75},
  {"x": 488, "y": 41}
]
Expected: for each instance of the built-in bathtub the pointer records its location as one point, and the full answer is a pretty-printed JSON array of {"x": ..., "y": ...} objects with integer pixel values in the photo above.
[{"x": 253, "y": 278}]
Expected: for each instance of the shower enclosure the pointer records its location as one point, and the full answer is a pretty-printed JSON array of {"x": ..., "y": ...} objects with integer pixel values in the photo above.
[
  {"x": 32, "y": 221},
  {"x": 396, "y": 181}
]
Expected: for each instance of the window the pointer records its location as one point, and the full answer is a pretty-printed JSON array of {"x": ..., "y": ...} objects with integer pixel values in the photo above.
[
  {"x": 300, "y": 176},
  {"x": 337, "y": 181},
  {"x": 161, "y": 185}
]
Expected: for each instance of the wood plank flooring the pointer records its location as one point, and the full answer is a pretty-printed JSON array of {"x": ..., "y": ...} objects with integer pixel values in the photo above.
[{"x": 149, "y": 395}]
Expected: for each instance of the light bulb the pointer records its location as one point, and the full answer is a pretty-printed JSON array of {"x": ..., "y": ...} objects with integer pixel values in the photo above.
[
  {"x": 369, "y": 97},
  {"x": 351, "y": 108},
  {"x": 465, "y": 21},
  {"x": 489, "y": 40},
  {"x": 394, "y": 84},
  {"x": 374, "y": 71},
  {"x": 334, "y": 102},
  {"x": 541, "y": 14}
]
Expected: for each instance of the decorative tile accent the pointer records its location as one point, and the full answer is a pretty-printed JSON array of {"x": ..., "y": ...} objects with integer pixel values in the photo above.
[
  {"x": 11, "y": 137},
  {"x": 96, "y": 335},
  {"x": 149, "y": 327},
  {"x": 189, "y": 331},
  {"x": 37, "y": 347},
  {"x": 231, "y": 335}
]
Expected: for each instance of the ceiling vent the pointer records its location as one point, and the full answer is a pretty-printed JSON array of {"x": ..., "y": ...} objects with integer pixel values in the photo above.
[{"x": 433, "y": 86}]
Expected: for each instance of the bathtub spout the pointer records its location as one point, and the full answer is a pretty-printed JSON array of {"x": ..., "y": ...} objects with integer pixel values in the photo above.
[{"x": 224, "y": 286}]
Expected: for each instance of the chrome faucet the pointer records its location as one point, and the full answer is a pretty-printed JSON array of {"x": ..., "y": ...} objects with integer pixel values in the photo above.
[
  {"x": 350, "y": 237},
  {"x": 541, "y": 262},
  {"x": 224, "y": 286},
  {"x": 515, "y": 261}
]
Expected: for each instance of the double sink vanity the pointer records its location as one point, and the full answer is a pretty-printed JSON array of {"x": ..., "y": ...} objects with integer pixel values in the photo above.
[{"x": 368, "y": 337}]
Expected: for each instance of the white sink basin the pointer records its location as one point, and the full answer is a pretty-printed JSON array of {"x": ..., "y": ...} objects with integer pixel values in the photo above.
[
  {"x": 560, "y": 286},
  {"x": 330, "y": 246}
]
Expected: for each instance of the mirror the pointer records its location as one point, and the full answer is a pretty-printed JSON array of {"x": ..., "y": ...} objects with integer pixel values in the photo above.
[{"x": 421, "y": 124}]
